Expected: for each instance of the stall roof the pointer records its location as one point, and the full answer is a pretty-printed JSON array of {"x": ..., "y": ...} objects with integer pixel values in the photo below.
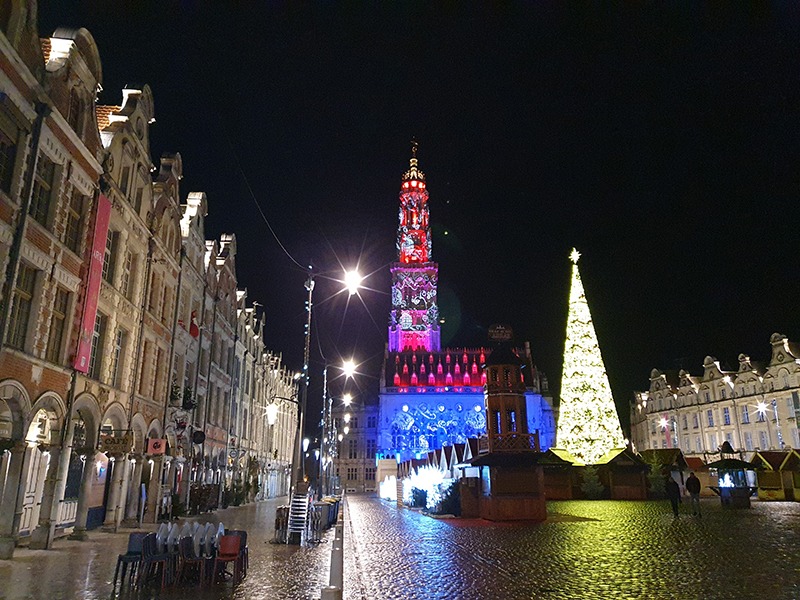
[
  {"x": 769, "y": 459},
  {"x": 792, "y": 461},
  {"x": 695, "y": 463},
  {"x": 621, "y": 457},
  {"x": 665, "y": 456},
  {"x": 508, "y": 459}
]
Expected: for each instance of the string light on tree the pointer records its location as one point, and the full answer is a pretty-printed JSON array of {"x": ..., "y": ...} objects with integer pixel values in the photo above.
[{"x": 588, "y": 424}]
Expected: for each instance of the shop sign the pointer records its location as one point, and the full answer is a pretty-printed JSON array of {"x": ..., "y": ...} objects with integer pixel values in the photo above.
[{"x": 116, "y": 444}]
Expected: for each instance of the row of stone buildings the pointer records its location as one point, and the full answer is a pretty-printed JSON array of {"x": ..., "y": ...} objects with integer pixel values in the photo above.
[
  {"x": 133, "y": 373},
  {"x": 755, "y": 407}
]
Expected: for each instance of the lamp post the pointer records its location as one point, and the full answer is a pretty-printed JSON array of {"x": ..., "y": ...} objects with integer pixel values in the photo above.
[
  {"x": 329, "y": 433},
  {"x": 352, "y": 281}
]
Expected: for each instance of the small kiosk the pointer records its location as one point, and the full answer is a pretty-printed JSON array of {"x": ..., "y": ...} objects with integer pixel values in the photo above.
[{"x": 732, "y": 482}]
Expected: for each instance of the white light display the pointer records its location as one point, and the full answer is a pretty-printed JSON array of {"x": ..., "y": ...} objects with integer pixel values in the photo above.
[{"x": 588, "y": 424}]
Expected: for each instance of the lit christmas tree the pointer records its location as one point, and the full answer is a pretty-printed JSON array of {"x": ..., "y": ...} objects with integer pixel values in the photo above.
[{"x": 588, "y": 424}]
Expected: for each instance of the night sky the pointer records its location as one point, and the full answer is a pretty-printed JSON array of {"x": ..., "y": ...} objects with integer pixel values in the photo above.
[{"x": 662, "y": 142}]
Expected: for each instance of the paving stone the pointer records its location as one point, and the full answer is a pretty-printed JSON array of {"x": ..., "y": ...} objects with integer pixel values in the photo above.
[
  {"x": 86, "y": 569},
  {"x": 606, "y": 549}
]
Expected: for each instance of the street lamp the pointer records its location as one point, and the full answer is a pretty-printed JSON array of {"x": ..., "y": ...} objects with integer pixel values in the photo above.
[
  {"x": 352, "y": 280},
  {"x": 328, "y": 444}
]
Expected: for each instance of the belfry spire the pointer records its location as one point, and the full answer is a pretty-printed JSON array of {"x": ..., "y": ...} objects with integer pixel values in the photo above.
[{"x": 414, "y": 320}]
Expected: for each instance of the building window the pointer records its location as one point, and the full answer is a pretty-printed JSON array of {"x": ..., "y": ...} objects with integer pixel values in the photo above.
[
  {"x": 42, "y": 189},
  {"x": 116, "y": 355},
  {"x": 371, "y": 449},
  {"x": 75, "y": 117},
  {"x": 74, "y": 225},
  {"x": 128, "y": 272},
  {"x": 748, "y": 441},
  {"x": 726, "y": 415},
  {"x": 710, "y": 417},
  {"x": 58, "y": 324},
  {"x": 137, "y": 201},
  {"x": 125, "y": 181},
  {"x": 369, "y": 474},
  {"x": 685, "y": 422},
  {"x": 698, "y": 444},
  {"x": 372, "y": 422},
  {"x": 354, "y": 423},
  {"x": 8, "y": 154},
  {"x": 111, "y": 251},
  {"x": 712, "y": 442},
  {"x": 762, "y": 416},
  {"x": 695, "y": 421},
  {"x": 352, "y": 473},
  {"x": 96, "y": 361},
  {"x": 745, "y": 414},
  {"x": 21, "y": 307},
  {"x": 352, "y": 449},
  {"x": 729, "y": 438},
  {"x": 762, "y": 437}
]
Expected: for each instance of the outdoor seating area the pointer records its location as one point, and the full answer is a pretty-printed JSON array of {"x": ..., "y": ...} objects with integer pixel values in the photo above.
[{"x": 178, "y": 554}]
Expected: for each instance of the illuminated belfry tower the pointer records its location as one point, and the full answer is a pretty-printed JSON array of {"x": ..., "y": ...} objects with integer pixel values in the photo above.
[{"x": 414, "y": 318}]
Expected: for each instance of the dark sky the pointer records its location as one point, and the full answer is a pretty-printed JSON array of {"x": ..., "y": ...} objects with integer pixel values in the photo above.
[{"x": 663, "y": 142}]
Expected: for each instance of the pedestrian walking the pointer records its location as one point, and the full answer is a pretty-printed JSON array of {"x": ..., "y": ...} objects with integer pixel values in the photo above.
[
  {"x": 674, "y": 494},
  {"x": 693, "y": 487}
]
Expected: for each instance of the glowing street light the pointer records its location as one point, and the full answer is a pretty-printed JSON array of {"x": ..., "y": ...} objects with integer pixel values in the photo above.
[
  {"x": 349, "y": 368},
  {"x": 347, "y": 399},
  {"x": 352, "y": 279}
]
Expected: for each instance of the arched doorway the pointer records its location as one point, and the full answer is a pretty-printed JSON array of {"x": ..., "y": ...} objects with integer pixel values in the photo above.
[{"x": 43, "y": 435}]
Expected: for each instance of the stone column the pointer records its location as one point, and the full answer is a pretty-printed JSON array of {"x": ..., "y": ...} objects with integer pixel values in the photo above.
[
  {"x": 134, "y": 487},
  {"x": 122, "y": 497},
  {"x": 82, "y": 513},
  {"x": 109, "y": 523},
  {"x": 41, "y": 536},
  {"x": 10, "y": 493},
  {"x": 153, "y": 490}
]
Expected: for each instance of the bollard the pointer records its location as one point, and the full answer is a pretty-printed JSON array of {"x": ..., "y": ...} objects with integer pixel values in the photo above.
[
  {"x": 337, "y": 564},
  {"x": 331, "y": 593}
]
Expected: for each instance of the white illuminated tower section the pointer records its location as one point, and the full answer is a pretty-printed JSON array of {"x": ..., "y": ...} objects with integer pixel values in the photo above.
[
  {"x": 588, "y": 424},
  {"x": 414, "y": 318}
]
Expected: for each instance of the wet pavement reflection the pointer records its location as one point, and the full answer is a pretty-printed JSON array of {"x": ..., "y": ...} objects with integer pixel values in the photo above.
[
  {"x": 605, "y": 549},
  {"x": 86, "y": 569}
]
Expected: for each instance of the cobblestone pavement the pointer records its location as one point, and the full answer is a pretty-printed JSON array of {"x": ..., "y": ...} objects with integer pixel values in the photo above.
[
  {"x": 592, "y": 550},
  {"x": 86, "y": 569}
]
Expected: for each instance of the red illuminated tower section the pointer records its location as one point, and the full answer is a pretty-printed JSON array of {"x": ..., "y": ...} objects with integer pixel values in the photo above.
[{"x": 414, "y": 320}]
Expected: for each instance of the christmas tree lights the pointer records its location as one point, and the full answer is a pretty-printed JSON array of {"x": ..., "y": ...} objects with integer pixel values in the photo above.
[{"x": 588, "y": 424}]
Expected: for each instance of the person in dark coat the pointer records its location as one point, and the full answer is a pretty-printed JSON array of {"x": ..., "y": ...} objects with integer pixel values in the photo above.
[
  {"x": 693, "y": 487},
  {"x": 674, "y": 494}
]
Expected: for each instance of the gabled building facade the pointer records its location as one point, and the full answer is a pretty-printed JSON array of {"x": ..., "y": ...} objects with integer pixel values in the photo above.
[{"x": 751, "y": 408}]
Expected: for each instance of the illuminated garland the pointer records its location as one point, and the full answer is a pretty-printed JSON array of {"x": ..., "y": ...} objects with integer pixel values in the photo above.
[{"x": 588, "y": 424}]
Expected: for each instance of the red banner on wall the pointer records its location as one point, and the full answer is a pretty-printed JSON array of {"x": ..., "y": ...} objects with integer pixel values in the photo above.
[{"x": 93, "y": 278}]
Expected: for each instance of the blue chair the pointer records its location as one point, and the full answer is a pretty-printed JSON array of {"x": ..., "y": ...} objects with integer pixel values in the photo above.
[
  {"x": 151, "y": 559},
  {"x": 132, "y": 557}
]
